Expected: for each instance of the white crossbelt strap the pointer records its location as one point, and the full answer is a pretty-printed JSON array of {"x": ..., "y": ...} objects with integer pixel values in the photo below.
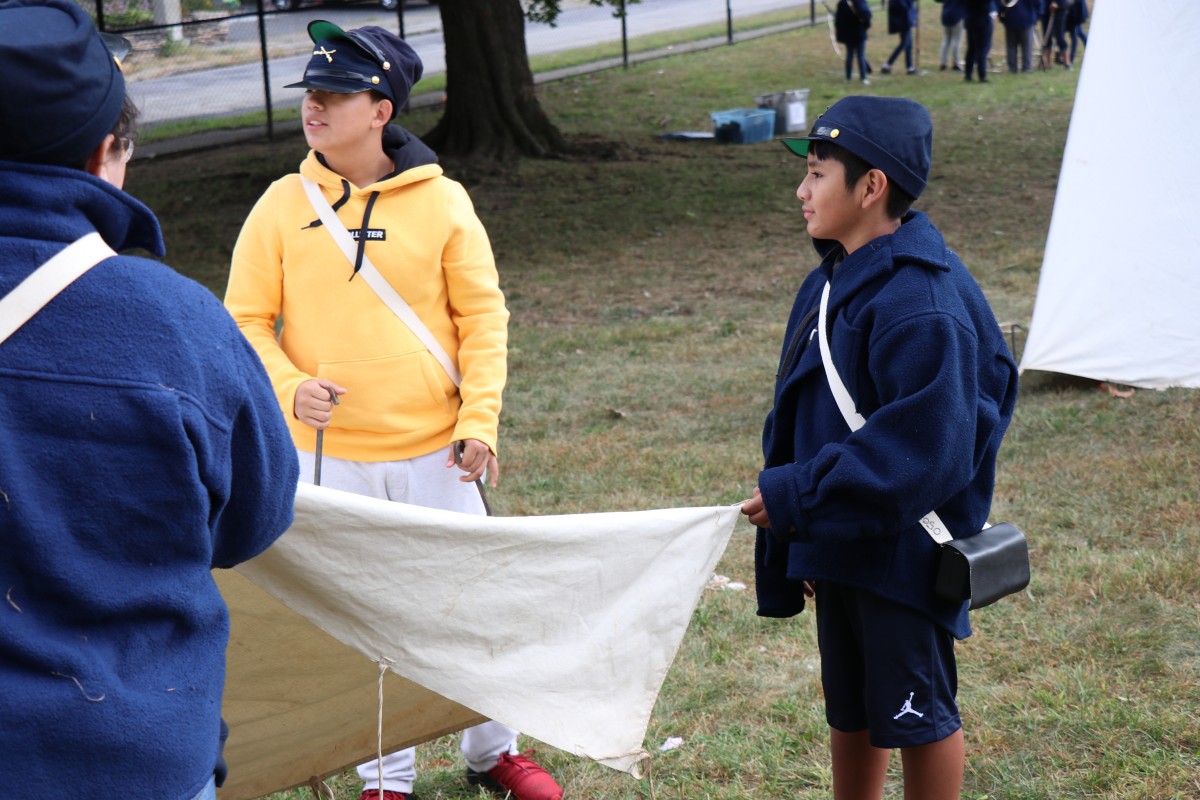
[
  {"x": 930, "y": 522},
  {"x": 387, "y": 293},
  {"x": 44, "y": 283}
]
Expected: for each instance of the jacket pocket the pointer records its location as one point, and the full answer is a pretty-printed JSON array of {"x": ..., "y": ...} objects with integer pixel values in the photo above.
[
  {"x": 389, "y": 394},
  {"x": 847, "y": 346}
]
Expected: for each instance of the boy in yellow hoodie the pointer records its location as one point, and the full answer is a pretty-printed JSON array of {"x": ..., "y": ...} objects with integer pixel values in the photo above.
[{"x": 418, "y": 402}]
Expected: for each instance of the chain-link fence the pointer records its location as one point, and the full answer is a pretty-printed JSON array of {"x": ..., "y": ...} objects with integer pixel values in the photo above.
[{"x": 196, "y": 60}]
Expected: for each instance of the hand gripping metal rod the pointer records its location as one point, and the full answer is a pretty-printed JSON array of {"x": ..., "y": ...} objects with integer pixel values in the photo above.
[{"x": 333, "y": 398}]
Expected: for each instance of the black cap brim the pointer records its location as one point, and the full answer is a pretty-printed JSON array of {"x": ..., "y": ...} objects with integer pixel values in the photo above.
[
  {"x": 330, "y": 85},
  {"x": 118, "y": 46}
]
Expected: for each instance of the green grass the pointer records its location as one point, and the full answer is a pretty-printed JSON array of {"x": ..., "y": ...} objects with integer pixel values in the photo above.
[
  {"x": 175, "y": 129},
  {"x": 649, "y": 282}
]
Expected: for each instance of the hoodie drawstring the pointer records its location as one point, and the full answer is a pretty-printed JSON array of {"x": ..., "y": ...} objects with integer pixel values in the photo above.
[
  {"x": 362, "y": 234},
  {"x": 362, "y": 230},
  {"x": 316, "y": 223}
]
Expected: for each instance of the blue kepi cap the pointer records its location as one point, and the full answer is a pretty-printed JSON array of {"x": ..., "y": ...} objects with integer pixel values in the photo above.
[
  {"x": 892, "y": 134},
  {"x": 360, "y": 59},
  {"x": 63, "y": 89}
]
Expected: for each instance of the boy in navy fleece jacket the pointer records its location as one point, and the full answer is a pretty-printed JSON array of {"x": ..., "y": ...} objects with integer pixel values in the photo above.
[{"x": 837, "y": 512}]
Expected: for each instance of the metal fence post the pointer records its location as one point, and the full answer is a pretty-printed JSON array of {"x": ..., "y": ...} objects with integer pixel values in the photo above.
[
  {"x": 729, "y": 21},
  {"x": 400, "y": 18},
  {"x": 266, "y": 70},
  {"x": 624, "y": 38}
]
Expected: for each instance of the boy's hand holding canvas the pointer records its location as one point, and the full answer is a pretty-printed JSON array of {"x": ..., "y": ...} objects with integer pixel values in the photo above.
[{"x": 919, "y": 350}]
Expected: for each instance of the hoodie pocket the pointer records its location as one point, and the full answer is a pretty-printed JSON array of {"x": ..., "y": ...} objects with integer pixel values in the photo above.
[{"x": 389, "y": 394}]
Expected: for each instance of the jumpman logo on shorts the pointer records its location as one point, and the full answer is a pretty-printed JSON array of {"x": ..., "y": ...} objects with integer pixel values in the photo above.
[{"x": 907, "y": 708}]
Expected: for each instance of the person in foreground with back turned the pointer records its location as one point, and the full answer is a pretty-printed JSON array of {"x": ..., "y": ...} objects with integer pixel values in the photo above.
[{"x": 142, "y": 447}]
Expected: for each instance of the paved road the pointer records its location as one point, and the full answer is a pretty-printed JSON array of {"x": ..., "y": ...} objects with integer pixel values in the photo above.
[{"x": 226, "y": 91}]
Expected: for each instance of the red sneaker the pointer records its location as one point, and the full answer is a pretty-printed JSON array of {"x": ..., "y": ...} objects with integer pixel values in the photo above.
[
  {"x": 374, "y": 794},
  {"x": 521, "y": 777}
]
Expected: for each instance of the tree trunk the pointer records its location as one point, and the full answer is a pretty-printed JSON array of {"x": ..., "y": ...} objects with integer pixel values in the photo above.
[{"x": 491, "y": 108}]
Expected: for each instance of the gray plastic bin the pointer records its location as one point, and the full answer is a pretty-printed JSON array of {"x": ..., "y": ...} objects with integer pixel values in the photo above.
[{"x": 791, "y": 109}]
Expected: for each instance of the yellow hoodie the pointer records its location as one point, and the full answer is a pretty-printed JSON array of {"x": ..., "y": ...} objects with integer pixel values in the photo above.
[{"x": 424, "y": 237}]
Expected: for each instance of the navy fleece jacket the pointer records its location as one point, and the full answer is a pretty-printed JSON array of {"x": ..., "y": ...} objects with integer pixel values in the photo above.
[
  {"x": 851, "y": 21},
  {"x": 902, "y": 15},
  {"x": 920, "y": 352},
  {"x": 1022, "y": 14},
  {"x": 142, "y": 446}
]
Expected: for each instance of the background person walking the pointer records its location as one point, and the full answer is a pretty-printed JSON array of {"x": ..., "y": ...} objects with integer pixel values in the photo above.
[
  {"x": 902, "y": 17},
  {"x": 851, "y": 20}
]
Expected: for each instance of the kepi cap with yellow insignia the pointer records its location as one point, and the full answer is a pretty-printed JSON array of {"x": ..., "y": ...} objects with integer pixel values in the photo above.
[
  {"x": 63, "y": 87},
  {"x": 892, "y": 134},
  {"x": 358, "y": 60}
]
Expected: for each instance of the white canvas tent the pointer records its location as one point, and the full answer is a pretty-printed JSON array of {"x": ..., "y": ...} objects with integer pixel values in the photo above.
[
  {"x": 1119, "y": 294},
  {"x": 562, "y": 627}
]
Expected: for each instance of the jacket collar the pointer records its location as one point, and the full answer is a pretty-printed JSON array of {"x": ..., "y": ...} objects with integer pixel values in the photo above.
[
  {"x": 916, "y": 243},
  {"x": 68, "y": 202}
]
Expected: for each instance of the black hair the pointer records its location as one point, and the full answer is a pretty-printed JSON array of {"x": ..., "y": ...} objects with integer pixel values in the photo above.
[
  {"x": 854, "y": 168},
  {"x": 377, "y": 95}
]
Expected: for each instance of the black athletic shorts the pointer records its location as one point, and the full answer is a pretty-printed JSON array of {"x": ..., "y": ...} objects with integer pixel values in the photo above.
[{"x": 885, "y": 668}]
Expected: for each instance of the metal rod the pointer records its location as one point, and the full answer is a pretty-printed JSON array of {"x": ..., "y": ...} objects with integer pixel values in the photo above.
[
  {"x": 262, "y": 45},
  {"x": 459, "y": 448},
  {"x": 333, "y": 398},
  {"x": 317, "y": 458}
]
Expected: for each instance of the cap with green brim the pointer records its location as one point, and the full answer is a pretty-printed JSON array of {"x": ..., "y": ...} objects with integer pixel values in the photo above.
[
  {"x": 797, "y": 146},
  {"x": 324, "y": 30},
  {"x": 358, "y": 60},
  {"x": 892, "y": 134}
]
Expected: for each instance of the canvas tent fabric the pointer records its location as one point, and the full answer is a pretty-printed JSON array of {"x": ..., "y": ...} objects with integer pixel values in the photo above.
[
  {"x": 562, "y": 627},
  {"x": 300, "y": 704},
  {"x": 1119, "y": 289}
]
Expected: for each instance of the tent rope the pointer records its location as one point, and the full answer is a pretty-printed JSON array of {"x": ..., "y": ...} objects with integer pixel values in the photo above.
[{"x": 379, "y": 725}]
